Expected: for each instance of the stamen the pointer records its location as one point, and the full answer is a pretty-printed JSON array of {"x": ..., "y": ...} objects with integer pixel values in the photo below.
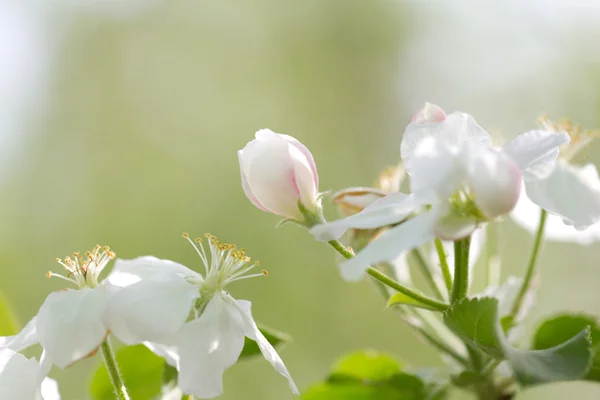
[
  {"x": 202, "y": 254},
  {"x": 51, "y": 274}
]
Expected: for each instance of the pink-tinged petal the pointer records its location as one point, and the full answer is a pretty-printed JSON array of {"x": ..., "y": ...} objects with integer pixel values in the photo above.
[
  {"x": 304, "y": 178},
  {"x": 267, "y": 350},
  {"x": 385, "y": 211},
  {"x": 455, "y": 227},
  {"x": 307, "y": 155},
  {"x": 207, "y": 347},
  {"x": 19, "y": 376},
  {"x": 495, "y": 181},
  {"x": 429, "y": 113},
  {"x": 69, "y": 324},
  {"x": 535, "y": 152},
  {"x": 247, "y": 188},
  {"x": 570, "y": 192},
  {"x": 410, "y": 234},
  {"x": 25, "y": 338},
  {"x": 269, "y": 171},
  {"x": 150, "y": 310},
  {"x": 527, "y": 215}
]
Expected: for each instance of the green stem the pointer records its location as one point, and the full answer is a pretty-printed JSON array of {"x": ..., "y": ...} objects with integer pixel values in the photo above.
[
  {"x": 113, "y": 371},
  {"x": 436, "y": 305},
  {"x": 427, "y": 273},
  {"x": 439, "y": 247},
  {"x": 443, "y": 347},
  {"x": 537, "y": 244},
  {"x": 461, "y": 269}
]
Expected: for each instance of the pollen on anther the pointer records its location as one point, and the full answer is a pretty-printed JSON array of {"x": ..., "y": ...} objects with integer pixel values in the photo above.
[
  {"x": 198, "y": 240},
  {"x": 265, "y": 272},
  {"x": 49, "y": 274},
  {"x": 185, "y": 235},
  {"x": 58, "y": 260}
]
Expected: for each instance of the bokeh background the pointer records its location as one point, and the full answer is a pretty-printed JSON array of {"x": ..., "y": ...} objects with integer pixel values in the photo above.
[{"x": 120, "y": 122}]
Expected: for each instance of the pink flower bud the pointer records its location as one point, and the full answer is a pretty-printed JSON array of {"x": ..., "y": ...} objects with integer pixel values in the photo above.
[
  {"x": 495, "y": 182},
  {"x": 278, "y": 172},
  {"x": 428, "y": 114}
]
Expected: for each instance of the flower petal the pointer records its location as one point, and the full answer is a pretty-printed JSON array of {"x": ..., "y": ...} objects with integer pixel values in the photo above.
[
  {"x": 267, "y": 350},
  {"x": 208, "y": 346},
  {"x": 535, "y": 152},
  {"x": 169, "y": 353},
  {"x": 128, "y": 272},
  {"x": 570, "y": 192},
  {"x": 246, "y": 186},
  {"x": 456, "y": 129},
  {"x": 527, "y": 215},
  {"x": 25, "y": 338},
  {"x": 69, "y": 324},
  {"x": 18, "y": 376},
  {"x": 307, "y": 156},
  {"x": 49, "y": 389},
  {"x": 150, "y": 310},
  {"x": 402, "y": 269},
  {"x": 436, "y": 168},
  {"x": 388, "y": 210},
  {"x": 412, "y": 233}
]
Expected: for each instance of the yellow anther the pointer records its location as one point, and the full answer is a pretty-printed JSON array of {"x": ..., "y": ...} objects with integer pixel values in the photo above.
[
  {"x": 198, "y": 240},
  {"x": 265, "y": 272},
  {"x": 58, "y": 260},
  {"x": 76, "y": 254},
  {"x": 185, "y": 235},
  {"x": 49, "y": 274},
  {"x": 106, "y": 249}
]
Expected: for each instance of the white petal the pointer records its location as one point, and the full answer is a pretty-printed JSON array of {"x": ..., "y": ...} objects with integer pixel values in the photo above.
[
  {"x": 169, "y": 353},
  {"x": 456, "y": 129},
  {"x": 49, "y": 389},
  {"x": 267, "y": 350},
  {"x": 412, "y": 233},
  {"x": 246, "y": 186},
  {"x": 402, "y": 269},
  {"x": 208, "y": 346},
  {"x": 18, "y": 376},
  {"x": 69, "y": 324},
  {"x": 25, "y": 338},
  {"x": 150, "y": 310},
  {"x": 307, "y": 156},
  {"x": 128, "y": 272},
  {"x": 454, "y": 227},
  {"x": 387, "y": 210},
  {"x": 495, "y": 182},
  {"x": 429, "y": 113},
  {"x": 527, "y": 215},
  {"x": 269, "y": 170},
  {"x": 570, "y": 192},
  {"x": 535, "y": 152}
]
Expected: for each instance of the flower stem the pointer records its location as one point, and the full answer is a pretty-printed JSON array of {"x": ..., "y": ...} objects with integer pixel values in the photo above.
[
  {"x": 113, "y": 371},
  {"x": 427, "y": 273},
  {"x": 386, "y": 280},
  {"x": 531, "y": 267},
  {"x": 439, "y": 247},
  {"x": 461, "y": 269}
]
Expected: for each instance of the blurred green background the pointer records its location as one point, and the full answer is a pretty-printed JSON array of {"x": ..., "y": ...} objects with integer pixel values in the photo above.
[{"x": 122, "y": 120}]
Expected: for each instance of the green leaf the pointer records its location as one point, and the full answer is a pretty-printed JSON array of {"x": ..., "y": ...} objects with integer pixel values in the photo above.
[
  {"x": 169, "y": 376},
  {"x": 273, "y": 336},
  {"x": 9, "y": 324},
  {"x": 400, "y": 299},
  {"x": 368, "y": 375},
  {"x": 142, "y": 371},
  {"x": 476, "y": 322},
  {"x": 559, "y": 328},
  {"x": 367, "y": 365}
]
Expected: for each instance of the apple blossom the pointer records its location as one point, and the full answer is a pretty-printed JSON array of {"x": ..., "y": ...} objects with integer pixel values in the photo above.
[
  {"x": 24, "y": 379},
  {"x": 278, "y": 172},
  {"x": 458, "y": 180},
  {"x": 69, "y": 325},
  {"x": 567, "y": 191},
  {"x": 155, "y": 303}
]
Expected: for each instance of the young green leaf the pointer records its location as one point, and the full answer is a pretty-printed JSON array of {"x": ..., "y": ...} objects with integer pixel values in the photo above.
[
  {"x": 476, "y": 322},
  {"x": 400, "y": 299}
]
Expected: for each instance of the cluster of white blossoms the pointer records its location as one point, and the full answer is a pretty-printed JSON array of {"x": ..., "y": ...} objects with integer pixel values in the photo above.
[{"x": 180, "y": 314}]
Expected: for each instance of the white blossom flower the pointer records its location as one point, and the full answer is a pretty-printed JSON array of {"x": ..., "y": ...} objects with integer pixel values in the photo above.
[
  {"x": 570, "y": 193},
  {"x": 278, "y": 172},
  {"x": 69, "y": 324},
  {"x": 157, "y": 299},
  {"x": 458, "y": 181},
  {"x": 24, "y": 379}
]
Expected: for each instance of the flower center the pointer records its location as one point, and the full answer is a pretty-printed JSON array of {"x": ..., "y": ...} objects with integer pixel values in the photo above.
[
  {"x": 84, "y": 270},
  {"x": 223, "y": 263},
  {"x": 579, "y": 138}
]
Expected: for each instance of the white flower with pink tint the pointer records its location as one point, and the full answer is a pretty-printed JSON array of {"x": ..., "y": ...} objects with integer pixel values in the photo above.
[
  {"x": 457, "y": 179},
  {"x": 278, "y": 172}
]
